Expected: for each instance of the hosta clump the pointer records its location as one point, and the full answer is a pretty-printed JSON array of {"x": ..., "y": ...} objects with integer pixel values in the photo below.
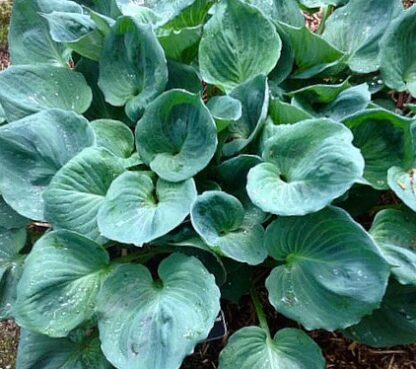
[{"x": 156, "y": 156}]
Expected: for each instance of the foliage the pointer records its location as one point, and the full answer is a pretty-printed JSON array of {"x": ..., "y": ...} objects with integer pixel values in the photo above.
[{"x": 185, "y": 150}]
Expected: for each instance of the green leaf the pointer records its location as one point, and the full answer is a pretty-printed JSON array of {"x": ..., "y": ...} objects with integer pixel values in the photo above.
[
  {"x": 192, "y": 15},
  {"x": 146, "y": 323},
  {"x": 9, "y": 218},
  {"x": 77, "y": 191},
  {"x": 307, "y": 165},
  {"x": 348, "y": 102},
  {"x": 382, "y": 138},
  {"x": 286, "y": 11},
  {"x": 251, "y": 347},
  {"x": 27, "y": 89},
  {"x": 233, "y": 172},
  {"x": 133, "y": 68},
  {"x": 32, "y": 150},
  {"x": 333, "y": 273},
  {"x": 284, "y": 113},
  {"x": 394, "y": 230},
  {"x": 357, "y": 28},
  {"x": 42, "y": 352},
  {"x": 403, "y": 183},
  {"x": 11, "y": 265},
  {"x": 313, "y": 54},
  {"x": 391, "y": 325},
  {"x": 166, "y": 10},
  {"x": 284, "y": 66},
  {"x": 78, "y": 31},
  {"x": 29, "y": 39},
  {"x": 238, "y": 280},
  {"x": 60, "y": 283},
  {"x": 177, "y": 136},
  {"x": 254, "y": 98},
  {"x": 99, "y": 108},
  {"x": 183, "y": 76},
  {"x": 115, "y": 136},
  {"x": 228, "y": 52},
  {"x": 107, "y": 8},
  {"x": 313, "y": 98},
  {"x": 224, "y": 109},
  {"x": 67, "y": 27},
  {"x": 180, "y": 45},
  {"x": 398, "y": 53},
  {"x": 136, "y": 210},
  {"x": 219, "y": 219}
]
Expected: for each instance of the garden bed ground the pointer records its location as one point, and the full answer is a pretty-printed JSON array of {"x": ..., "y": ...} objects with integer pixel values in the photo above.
[{"x": 340, "y": 353}]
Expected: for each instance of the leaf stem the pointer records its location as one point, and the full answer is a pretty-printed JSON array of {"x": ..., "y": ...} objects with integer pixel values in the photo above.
[
  {"x": 259, "y": 311},
  {"x": 327, "y": 12}
]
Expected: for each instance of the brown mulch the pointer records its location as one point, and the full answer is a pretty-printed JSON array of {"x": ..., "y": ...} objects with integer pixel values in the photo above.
[
  {"x": 4, "y": 60},
  {"x": 339, "y": 352},
  {"x": 9, "y": 338}
]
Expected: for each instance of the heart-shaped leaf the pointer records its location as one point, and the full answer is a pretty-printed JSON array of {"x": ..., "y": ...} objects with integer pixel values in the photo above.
[
  {"x": 251, "y": 347},
  {"x": 29, "y": 39},
  {"x": 149, "y": 324},
  {"x": 177, "y": 136},
  {"x": 394, "y": 323},
  {"x": 228, "y": 50},
  {"x": 333, "y": 273},
  {"x": 394, "y": 231},
  {"x": 398, "y": 52},
  {"x": 357, "y": 28},
  {"x": 382, "y": 137},
  {"x": 32, "y": 150},
  {"x": 27, "y": 89},
  {"x": 78, "y": 351},
  {"x": 307, "y": 165},
  {"x": 139, "y": 208},
  {"x": 219, "y": 219},
  {"x": 133, "y": 68},
  {"x": 12, "y": 242},
  {"x": 77, "y": 191},
  {"x": 60, "y": 283}
]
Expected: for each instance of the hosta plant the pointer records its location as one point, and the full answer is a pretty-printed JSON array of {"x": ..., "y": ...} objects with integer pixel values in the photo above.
[{"x": 160, "y": 157}]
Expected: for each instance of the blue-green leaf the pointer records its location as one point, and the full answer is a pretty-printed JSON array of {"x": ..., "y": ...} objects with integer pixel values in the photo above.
[
  {"x": 138, "y": 209},
  {"x": 177, "y": 136},
  {"x": 333, "y": 273},
  {"x": 133, "y": 68},
  {"x": 219, "y": 219},
  {"x": 32, "y": 150},
  {"x": 60, "y": 283},
  {"x": 149, "y": 324},
  {"x": 27, "y": 89}
]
